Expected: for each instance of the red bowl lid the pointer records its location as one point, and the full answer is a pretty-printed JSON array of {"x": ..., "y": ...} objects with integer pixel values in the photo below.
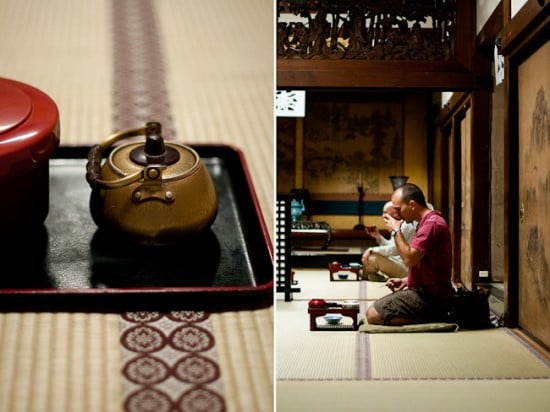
[
  {"x": 29, "y": 127},
  {"x": 317, "y": 303}
]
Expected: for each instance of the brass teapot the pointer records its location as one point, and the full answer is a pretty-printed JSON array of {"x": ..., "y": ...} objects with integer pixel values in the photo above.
[{"x": 153, "y": 192}]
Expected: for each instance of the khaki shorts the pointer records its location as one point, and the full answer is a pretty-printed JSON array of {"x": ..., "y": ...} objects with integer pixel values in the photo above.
[{"x": 407, "y": 304}]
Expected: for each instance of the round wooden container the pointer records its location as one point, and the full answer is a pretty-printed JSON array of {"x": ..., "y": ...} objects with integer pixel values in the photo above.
[{"x": 29, "y": 134}]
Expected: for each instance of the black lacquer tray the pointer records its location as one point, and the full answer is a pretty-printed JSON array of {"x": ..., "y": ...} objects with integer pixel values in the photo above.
[{"x": 69, "y": 264}]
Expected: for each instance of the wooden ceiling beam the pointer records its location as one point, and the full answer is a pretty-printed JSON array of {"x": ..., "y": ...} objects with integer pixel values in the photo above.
[{"x": 432, "y": 75}]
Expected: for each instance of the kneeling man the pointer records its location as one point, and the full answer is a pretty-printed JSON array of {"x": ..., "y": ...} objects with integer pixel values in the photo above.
[{"x": 421, "y": 296}]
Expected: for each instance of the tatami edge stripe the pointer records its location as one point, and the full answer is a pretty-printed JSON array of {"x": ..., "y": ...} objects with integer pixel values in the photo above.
[
  {"x": 362, "y": 360},
  {"x": 528, "y": 347},
  {"x": 496, "y": 378}
]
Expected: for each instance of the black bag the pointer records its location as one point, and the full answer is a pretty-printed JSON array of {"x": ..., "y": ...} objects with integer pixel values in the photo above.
[{"x": 470, "y": 309}]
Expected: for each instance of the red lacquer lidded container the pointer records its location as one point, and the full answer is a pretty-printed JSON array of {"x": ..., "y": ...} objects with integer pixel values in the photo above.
[{"x": 29, "y": 135}]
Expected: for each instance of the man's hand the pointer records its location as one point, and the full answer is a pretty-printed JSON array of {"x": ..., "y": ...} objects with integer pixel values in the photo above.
[
  {"x": 373, "y": 232},
  {"x": 391, "y": 222},
  {"x": 396, "y": 284}
]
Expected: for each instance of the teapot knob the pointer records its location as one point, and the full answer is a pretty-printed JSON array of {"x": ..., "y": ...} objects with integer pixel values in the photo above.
[
  {"x": 154, "y": 151},
  {"x": 154, "y": 143}
]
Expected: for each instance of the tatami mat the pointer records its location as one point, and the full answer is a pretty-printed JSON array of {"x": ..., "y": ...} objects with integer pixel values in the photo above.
[
  {"x": 480, "y": 354},
  {"x": 320, "y": 355},
  {"x": 59, "y": 362},
  {"x": 244, "y": 342},
  {"x": 315, "y": 283},
  {"x": 332, "y": 353},
  {"x": 63, "y": 48},
  {"x": 484, "y": 354},
  {"x": 219, "y": 64},
  {"x": 414, "y": 396}
]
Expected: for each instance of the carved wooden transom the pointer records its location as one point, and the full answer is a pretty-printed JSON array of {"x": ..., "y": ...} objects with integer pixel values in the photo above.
[{"x": 366, "y": 29}]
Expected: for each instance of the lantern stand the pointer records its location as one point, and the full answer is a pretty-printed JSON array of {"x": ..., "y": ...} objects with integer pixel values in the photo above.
[{"x": 360, "y": 225}]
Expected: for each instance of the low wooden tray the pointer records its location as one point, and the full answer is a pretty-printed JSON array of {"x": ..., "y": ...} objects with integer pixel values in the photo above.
[{"x": 70, "y": 265}]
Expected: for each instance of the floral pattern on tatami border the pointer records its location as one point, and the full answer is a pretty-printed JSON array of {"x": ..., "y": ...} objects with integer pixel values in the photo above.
[{"x": 169, "y": 362}]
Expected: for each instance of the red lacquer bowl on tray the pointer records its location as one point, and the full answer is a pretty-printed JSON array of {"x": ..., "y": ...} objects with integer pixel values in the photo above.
[
  {"x": 29, "y": 134},
  {"x": 317, "y": 303}
]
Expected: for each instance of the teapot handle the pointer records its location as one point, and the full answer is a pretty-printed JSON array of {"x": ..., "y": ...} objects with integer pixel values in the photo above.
[{"x": 93, "y": 167}]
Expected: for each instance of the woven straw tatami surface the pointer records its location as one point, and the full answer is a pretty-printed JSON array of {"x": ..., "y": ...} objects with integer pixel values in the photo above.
[
  {"x": 346, "y": 355},
  {"x": 315, "y": 283},
  {"x": 59, "y": 362},
  {"x": 414, "y": 396}
]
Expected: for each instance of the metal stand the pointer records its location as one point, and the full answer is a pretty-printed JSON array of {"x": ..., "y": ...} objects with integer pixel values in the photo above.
[
  {"x": 360, "y": 225},
  {"x": 284, "y": 272}
]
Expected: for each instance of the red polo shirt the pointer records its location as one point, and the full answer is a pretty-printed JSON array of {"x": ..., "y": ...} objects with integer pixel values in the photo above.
[{"x": 433, "y": 272}]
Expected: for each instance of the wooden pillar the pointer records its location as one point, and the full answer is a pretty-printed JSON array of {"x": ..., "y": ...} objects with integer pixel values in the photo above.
[{"x": 299, "y": 154}]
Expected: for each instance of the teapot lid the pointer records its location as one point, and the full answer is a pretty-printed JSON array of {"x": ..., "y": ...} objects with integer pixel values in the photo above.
[
  {"x": 29, "y": 127},
  {"x": 154, "y": 151},
  {"x": 132, "y": 162},
  {"x": 176, "y": 160}
]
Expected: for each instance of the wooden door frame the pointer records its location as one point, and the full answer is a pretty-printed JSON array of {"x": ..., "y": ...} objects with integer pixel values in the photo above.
[
  {"x": 449, "y": 122},
  {"x": 522, "y": 36}
]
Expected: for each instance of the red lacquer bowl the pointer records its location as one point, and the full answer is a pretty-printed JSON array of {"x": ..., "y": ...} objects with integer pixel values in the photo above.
[
  {"x": 317, "y": 303},
  {"x": 29, "y": 134}
]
